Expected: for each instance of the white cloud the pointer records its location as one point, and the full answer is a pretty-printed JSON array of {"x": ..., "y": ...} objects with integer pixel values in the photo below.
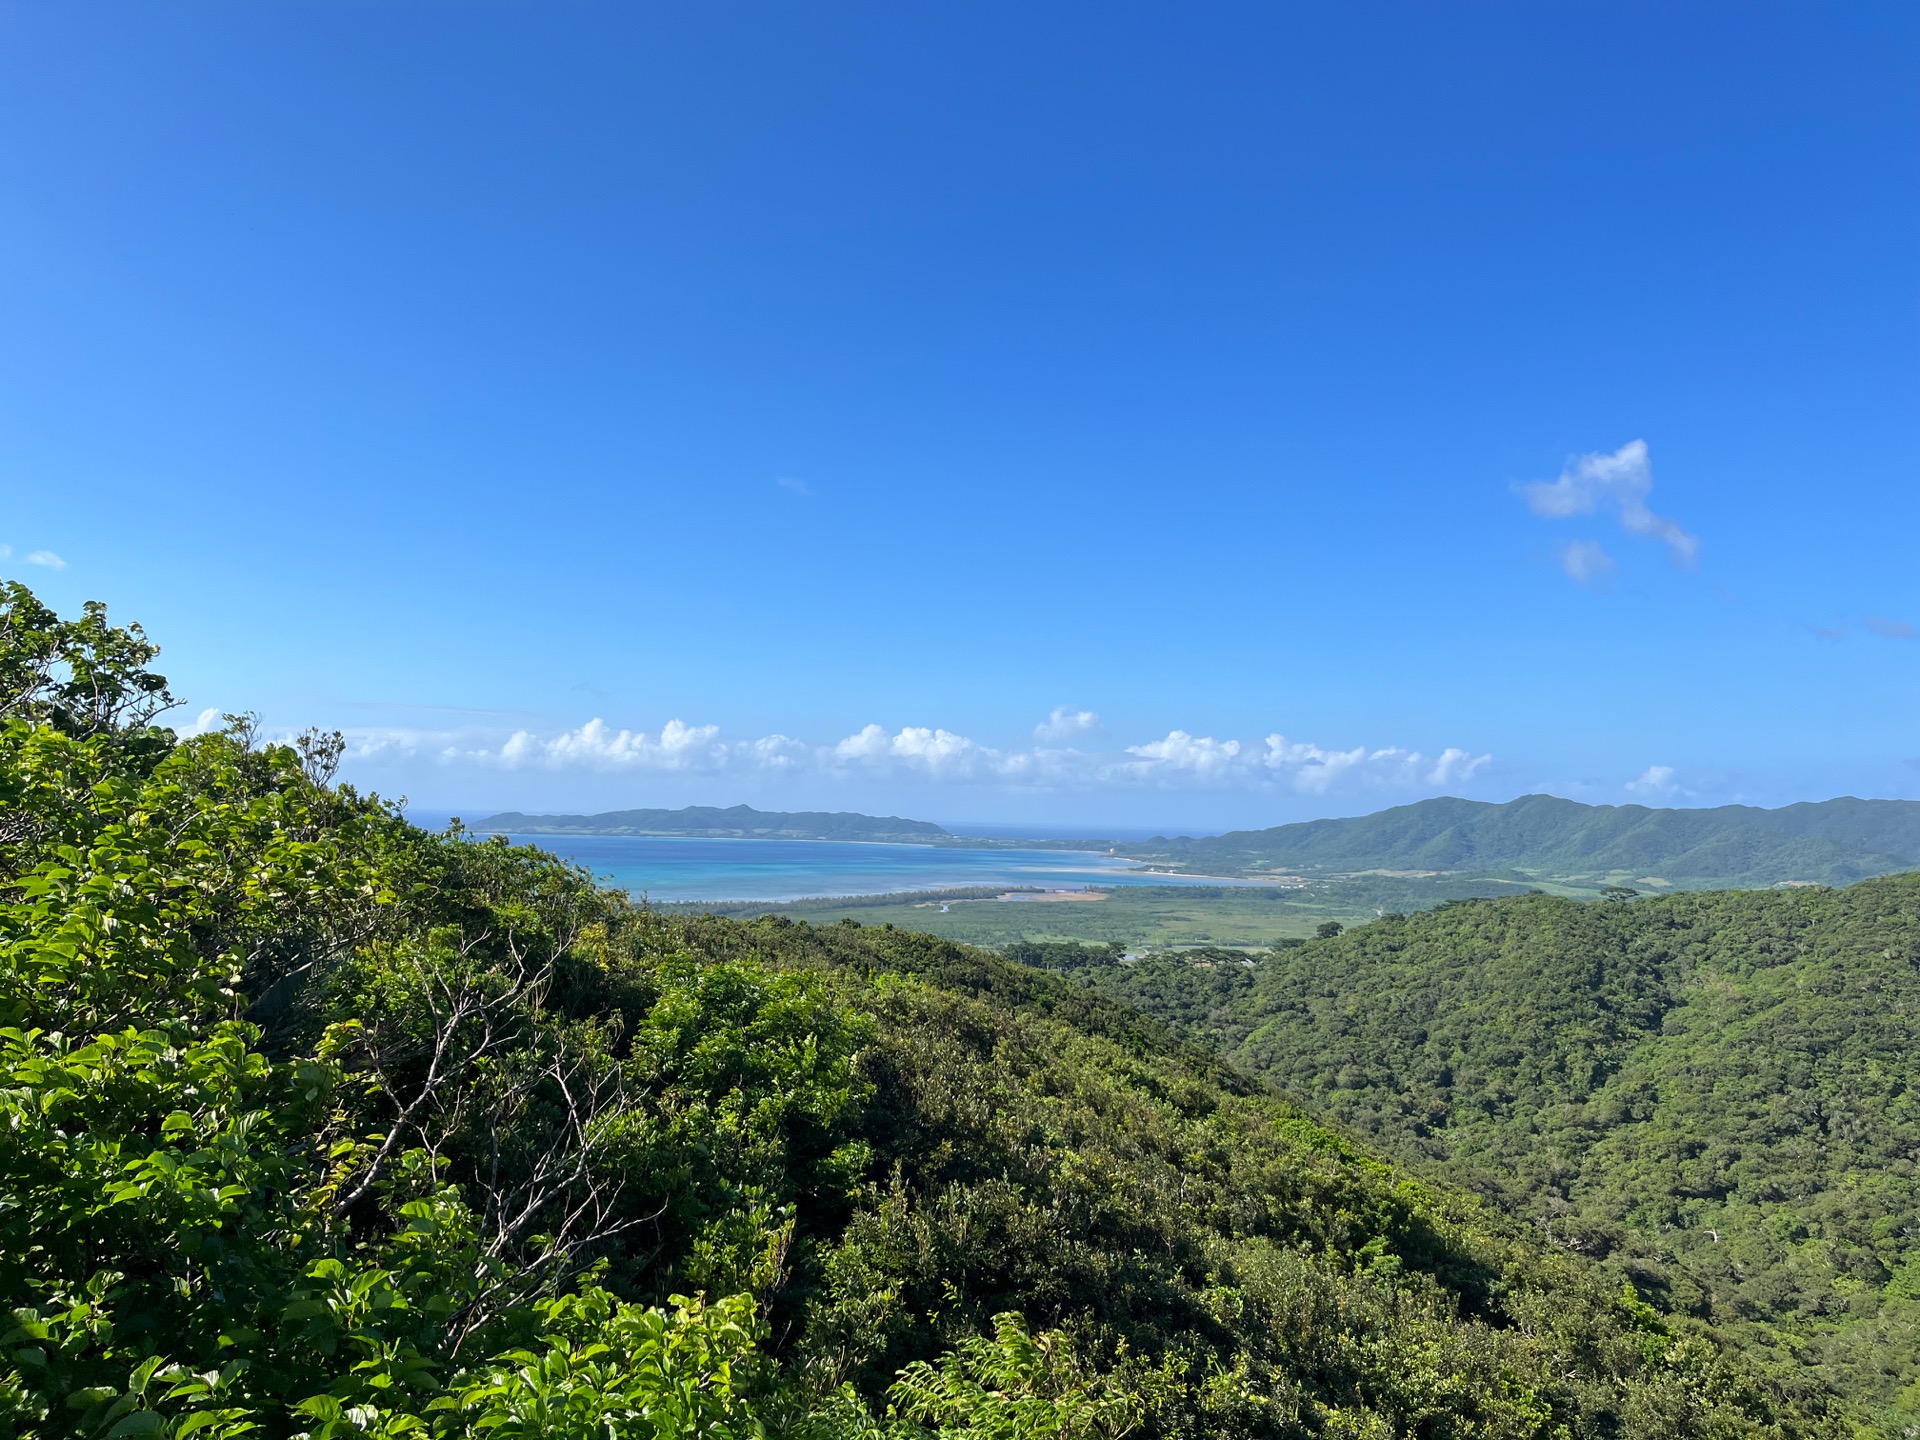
[
  {"x": 1065, "y": 723},
  {"x": 1199, "y": 756},
  {"x": 205, "y": 723},
  {"x": 596, "y": 745},
  {"x": 1181, "y": 759},
  {"x": 47, "y": 558},
  {"x": 937, "y": 752},
  {"x": 1314, "y": 770},
  {"x": 936, "y": 749},
  {"x": 1456, "y": 767},
  {"x": 1586, "y": 562},
  {"x": 870, "y": 743},
  {"x": 1619, "y": 482},
  {"x": 794, "y": 485},
  {"x": 1656, "y": 780},
  {"x": 775, "y": 752},
  {"x": 380, "y": 744},
  {"x": 1307, "y": 766},
  {"x": 6, "y": 552}
]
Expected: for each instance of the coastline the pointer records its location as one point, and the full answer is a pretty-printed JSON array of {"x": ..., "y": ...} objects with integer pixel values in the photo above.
[{"x": 723, "y": 872}]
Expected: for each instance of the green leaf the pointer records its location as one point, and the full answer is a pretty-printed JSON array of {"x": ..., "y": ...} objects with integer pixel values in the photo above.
[{"x": 140, "y": 1422}]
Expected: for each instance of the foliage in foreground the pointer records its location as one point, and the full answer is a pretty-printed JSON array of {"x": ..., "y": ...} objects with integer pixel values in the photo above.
[{"x": 319, "y": 1125}]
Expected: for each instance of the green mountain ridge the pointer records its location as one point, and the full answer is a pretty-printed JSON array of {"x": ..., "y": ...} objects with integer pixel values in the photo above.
[
  {"x": 1828, "y": 842},
  {"x": 740, "y": 821}
]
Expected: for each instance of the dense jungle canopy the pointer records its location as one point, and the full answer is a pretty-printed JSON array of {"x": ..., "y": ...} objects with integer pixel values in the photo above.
[{"x": 1717, "y": 1092}]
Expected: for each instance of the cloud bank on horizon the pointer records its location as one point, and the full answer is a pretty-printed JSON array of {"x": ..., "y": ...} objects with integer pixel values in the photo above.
[{"x": 1179, "y": 760}]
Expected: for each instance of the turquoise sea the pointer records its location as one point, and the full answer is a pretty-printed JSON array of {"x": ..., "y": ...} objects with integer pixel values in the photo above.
[{"x": 671, "y": 868}]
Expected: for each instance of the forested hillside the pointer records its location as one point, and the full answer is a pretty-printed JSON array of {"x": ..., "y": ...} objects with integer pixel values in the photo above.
[
  {"x": 1545, "y": 837},
  {"x": 1719, "y": 1091},
  {"x": 317, "y": 1124}
]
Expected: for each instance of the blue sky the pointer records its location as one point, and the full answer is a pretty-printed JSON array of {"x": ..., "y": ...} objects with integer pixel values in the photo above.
[{"x": 1131, "y": 414}]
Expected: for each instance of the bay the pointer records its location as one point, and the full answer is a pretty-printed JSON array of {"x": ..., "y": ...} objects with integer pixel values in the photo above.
[{"x": 676, "y": 868}]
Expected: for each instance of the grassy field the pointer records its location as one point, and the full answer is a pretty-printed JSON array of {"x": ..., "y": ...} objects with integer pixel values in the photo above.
[{"x": 1140, "y": 917}]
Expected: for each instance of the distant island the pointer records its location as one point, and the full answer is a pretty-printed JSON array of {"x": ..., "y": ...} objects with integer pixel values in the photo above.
[
  {"x": 713, "y": 822},
  {"x": 1542, "y": 837}
]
